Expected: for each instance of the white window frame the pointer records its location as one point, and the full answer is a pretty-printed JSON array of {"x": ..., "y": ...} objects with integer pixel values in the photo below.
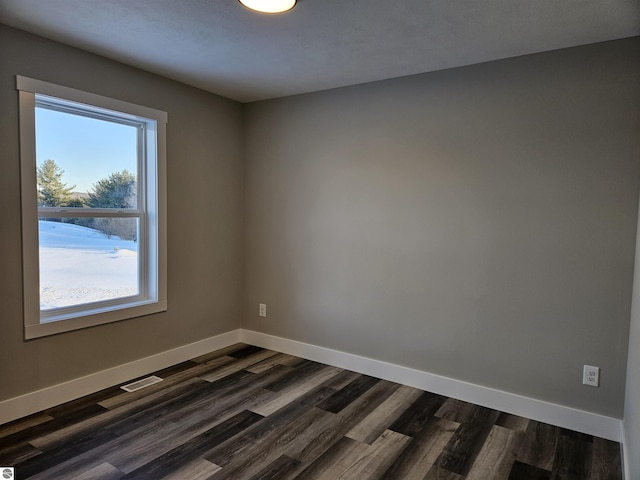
[{"x": 151, "y": 209}]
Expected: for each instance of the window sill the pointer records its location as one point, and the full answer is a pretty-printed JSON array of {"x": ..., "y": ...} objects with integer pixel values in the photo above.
[{"x": 53, "y": 326}]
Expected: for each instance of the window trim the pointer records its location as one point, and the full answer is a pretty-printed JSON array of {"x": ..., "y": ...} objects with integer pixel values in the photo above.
[{"x": 87, "y": 315}]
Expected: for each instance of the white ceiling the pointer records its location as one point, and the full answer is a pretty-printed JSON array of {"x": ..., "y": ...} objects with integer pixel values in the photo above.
[{"x": 220, "y": 46}]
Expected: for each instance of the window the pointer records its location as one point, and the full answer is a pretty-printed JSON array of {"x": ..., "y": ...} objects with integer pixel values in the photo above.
[{"x": 93, "y": 208}]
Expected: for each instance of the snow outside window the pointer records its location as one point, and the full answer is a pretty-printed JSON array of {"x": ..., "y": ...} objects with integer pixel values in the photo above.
[{"x": 93, "y": 208}]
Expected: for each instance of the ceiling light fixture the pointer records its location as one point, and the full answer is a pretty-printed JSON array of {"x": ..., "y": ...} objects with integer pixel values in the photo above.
[{"x": 269, "y": 6}]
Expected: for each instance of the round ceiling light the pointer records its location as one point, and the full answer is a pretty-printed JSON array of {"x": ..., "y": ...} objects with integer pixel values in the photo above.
[{"x": 269, "y": 6}]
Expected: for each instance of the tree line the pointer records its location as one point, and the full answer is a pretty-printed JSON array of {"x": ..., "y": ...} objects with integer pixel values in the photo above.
[{"x": 118, "y": 190}]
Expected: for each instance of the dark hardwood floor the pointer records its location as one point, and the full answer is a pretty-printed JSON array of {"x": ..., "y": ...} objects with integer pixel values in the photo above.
[{"x": 248, "y": 413}]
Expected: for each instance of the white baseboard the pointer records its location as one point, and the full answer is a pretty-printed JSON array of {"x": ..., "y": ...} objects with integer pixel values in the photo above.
[
  {"x": 559, "y": 415},
  {"x": 578, "y": 420},
  {"x": 39, "y": 400}
]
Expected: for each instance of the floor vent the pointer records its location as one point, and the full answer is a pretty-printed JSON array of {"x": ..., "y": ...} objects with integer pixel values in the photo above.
[{"x": 145, "y": 382}]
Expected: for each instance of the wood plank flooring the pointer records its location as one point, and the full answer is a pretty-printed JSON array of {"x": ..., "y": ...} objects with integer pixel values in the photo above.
[{"x": 244, "y": 412}]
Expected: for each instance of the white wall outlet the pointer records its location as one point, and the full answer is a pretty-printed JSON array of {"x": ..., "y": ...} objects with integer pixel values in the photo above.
[
  {"x": 262, "y": 309},
  {"x": 591, "y": 376}
]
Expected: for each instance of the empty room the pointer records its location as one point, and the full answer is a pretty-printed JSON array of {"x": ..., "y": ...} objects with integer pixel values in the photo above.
[{"x": 321, "y": 239}]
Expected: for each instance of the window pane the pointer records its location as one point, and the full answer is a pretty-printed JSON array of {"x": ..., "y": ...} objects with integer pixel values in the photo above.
[
  {"x": 84, "y": 260},
  {"x": 84, "y": 161}
]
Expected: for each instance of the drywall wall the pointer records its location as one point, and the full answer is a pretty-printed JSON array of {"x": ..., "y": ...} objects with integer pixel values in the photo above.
[
  {"x": 477, "y": 223},
  {"x": 204, "y": 169},
  {"x": 631, "y": 422}
]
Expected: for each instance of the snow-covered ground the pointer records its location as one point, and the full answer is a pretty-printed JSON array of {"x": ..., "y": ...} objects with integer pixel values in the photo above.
[{"x": 80, "y": 265}]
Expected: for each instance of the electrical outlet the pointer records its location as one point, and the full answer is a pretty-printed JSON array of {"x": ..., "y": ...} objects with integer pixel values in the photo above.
[
  {"x": 262, "y": 310},
  {"x": 591, "y": 376}
]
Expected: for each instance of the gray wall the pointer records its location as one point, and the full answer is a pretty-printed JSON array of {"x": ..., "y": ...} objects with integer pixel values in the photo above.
[
  {"x": 477, "y": 223},
  {"x": 204, "y": 146},
  {"x": 631, "y": 424}
]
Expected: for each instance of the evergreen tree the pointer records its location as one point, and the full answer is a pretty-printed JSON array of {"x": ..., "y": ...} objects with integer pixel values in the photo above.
[
  {"x": 116, "y": 191},
  {"x": 52, "y": 192}
]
